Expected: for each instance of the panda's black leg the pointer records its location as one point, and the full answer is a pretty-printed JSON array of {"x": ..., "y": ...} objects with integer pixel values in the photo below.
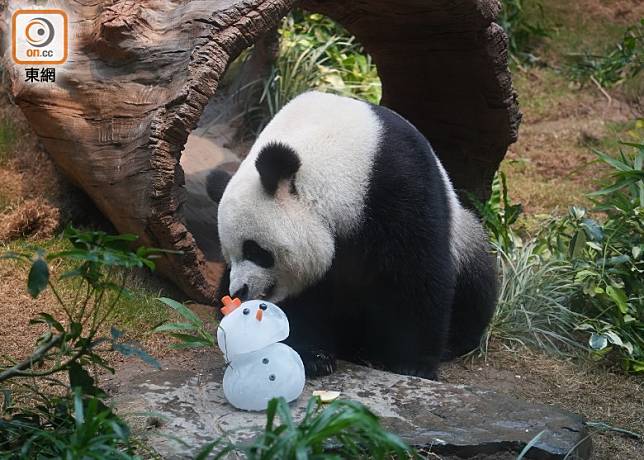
[
  {"x": 426, "y": 370},
  {"x": 413, "y": 345},
  {"x": 473, "y": 306},
  {"x": 319, "y": 358},
  {"x": 311, "y": 337}
]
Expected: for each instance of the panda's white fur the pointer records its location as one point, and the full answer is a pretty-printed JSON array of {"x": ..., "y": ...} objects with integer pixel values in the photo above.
[{"x": 301, "y": 232}]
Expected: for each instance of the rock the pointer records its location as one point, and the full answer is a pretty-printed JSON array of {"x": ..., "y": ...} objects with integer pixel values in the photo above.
[
  {"x": 201, "y": 155},
  {"x": 184, "y": 409}
]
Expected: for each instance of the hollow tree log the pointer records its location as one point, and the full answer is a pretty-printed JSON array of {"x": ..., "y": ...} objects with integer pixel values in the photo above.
[
  {"x": 443, "y": 65},
  {"x": 140, "y": 74}
]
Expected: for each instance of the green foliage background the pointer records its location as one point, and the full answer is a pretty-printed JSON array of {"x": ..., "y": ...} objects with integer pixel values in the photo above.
[{"x": 580, "y": 276}]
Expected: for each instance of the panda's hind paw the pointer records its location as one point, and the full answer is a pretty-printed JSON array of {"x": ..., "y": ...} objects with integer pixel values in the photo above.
[{"x": 318, "y": 363}]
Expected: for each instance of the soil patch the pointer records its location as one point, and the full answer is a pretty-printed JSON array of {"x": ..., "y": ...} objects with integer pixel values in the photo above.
[{"x": 552, "y": 165}]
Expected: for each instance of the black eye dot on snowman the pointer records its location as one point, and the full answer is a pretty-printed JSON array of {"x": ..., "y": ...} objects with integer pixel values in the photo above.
[
  {"x": 263, "y": 306},
  {"x": 265, "y": 361},
  {"x": 271, "y": 377},
  {"x": 246, "y": 311}
]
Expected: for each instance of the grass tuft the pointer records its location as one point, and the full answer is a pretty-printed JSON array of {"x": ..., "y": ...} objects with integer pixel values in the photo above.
[
  {"x": 524, "y": 22},
  {"x": 532, "y": 309},
  {"x": 342, "y": 429}
]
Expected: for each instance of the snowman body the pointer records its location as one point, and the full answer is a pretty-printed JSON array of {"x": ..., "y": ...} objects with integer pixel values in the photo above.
[{"x": 259, "y": 367}]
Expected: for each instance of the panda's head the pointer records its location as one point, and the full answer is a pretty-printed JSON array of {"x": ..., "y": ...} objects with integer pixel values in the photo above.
[
  {"x": 274, "y": 242},
  {"x": 301, "y": 188}
]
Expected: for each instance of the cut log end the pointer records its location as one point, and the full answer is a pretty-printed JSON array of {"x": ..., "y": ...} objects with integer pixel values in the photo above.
[{"x": 140, "y": 75}]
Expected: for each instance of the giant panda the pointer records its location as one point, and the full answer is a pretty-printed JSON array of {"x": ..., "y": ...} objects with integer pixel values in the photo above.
[{"x": 343, "y": 215}]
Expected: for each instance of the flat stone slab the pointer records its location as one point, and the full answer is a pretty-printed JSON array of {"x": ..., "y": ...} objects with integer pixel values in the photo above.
[{"x": 450, "y": 420}]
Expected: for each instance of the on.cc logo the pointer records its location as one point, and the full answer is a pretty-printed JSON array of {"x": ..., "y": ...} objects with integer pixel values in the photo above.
[{"x": 39, "y": 36}]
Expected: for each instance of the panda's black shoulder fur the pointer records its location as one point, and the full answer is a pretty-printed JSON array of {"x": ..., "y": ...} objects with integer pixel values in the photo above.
[{"x": 407, "y": 213}]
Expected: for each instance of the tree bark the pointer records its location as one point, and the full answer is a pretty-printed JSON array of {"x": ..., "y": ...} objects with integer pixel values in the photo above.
[{"x": 140, "y": 73}]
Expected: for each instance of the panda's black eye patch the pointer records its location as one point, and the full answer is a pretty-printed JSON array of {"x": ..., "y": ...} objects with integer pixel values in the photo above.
[{"x": 255, "y": 253}]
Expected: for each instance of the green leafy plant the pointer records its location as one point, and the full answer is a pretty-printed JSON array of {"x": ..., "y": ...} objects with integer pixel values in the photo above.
[
  {"x": 579, "y": 282},
  {"x": 315, "y": 53},
  {"x": 499, "y": 214},
  {"x": 624, "y": 61},
  {"x": 341, "y": 429},
  {"x": 71, "y": 426},
  {"x": 103, "y": 264},
  {"x": 608, "y": 260},
  {"x": 71, "y": 422},
  {"x": 524, "y": 26},
  {"x": 627, "y": 191},
  {"x": 192, "y": 332}
]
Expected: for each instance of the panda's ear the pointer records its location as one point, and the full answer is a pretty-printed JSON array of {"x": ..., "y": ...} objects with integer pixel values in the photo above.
[
  {"x": 276, "y": 162},
  {"x": 216, "y": 182}
]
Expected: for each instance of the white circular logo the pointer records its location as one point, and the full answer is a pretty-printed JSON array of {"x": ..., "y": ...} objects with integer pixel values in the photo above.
[{"x": 39, "y": 32}]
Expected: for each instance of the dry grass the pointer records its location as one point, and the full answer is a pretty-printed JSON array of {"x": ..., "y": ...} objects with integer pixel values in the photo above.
[
  {"x": 32, "y": 193},
  {"x": 10, "y": 187},
  {"x": 550, "y": 167},
  {"x": 33, "y": 218},
  {"x": 29, "y": 189},
  {"x": 137, "y": 314},
  {"x": 17, "y": 308}
]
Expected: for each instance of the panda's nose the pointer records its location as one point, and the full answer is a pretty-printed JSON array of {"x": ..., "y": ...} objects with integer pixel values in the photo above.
[{"x": 241, "y": 293}]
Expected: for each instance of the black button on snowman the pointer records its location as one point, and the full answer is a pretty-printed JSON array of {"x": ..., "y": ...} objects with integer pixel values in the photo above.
[{"x": 259, "y": 367}]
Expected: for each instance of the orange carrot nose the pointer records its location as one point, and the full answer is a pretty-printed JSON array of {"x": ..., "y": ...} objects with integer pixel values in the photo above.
[
  {"x": 229, "y": 305},
  {"x": 260, "y": 314}
]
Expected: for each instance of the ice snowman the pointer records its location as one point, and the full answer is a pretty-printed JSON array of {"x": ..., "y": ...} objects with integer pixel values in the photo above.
[{"x": 259, "y": 367}]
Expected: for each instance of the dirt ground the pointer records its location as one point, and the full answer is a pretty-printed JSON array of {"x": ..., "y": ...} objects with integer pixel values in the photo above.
[
  {"x": 549, "y": 169},
  {"x": 551, "y": 166}
]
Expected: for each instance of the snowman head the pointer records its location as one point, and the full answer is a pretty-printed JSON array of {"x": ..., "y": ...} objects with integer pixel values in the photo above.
[{"x": 250, "y": 327}]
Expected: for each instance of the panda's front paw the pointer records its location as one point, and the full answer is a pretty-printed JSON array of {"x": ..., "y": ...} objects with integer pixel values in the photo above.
[{"x": 318, "y": 363}]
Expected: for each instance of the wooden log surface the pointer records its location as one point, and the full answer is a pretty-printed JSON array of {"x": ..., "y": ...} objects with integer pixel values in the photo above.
[
  {"x": 137, "y": 80},
  {"x": 140, "y": 73}
]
